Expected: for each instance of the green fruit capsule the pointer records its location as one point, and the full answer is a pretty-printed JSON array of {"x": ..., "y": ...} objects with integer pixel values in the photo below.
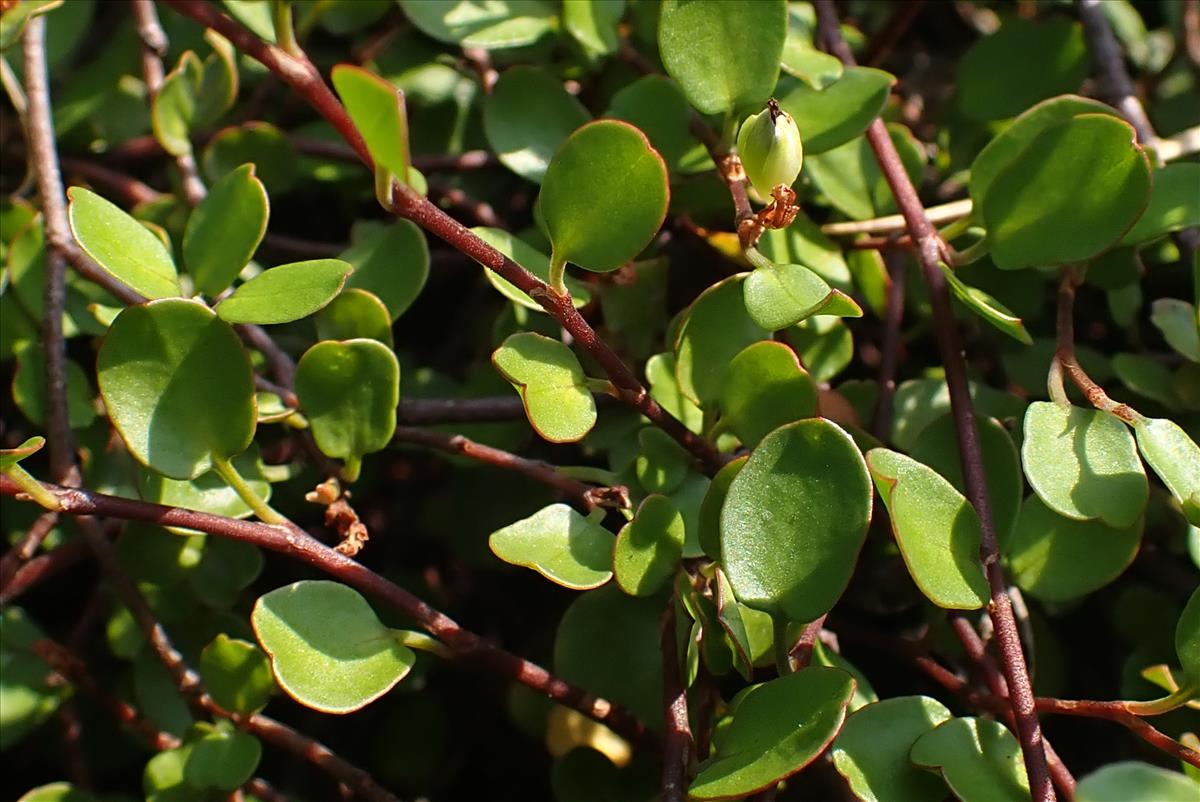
[{"x": 769, "y": 144}]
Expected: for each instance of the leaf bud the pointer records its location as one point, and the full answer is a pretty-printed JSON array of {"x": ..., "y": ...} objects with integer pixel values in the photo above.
[{"x": 769, "y": 144}]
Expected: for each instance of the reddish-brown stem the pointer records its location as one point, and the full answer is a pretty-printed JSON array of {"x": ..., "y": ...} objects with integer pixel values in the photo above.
[
  {"x": 677, "y": 737},
  {"x": 586, "y": 496},
  {"x": 41, "y": 568},
  {"x": 800, "y": 655},
  {"x": 459, "y": 410},
  {"x": 302, "y": 76},
  {"x": 40, "y": 135},
  {"x": 929, "y": 250},
  {"x": 1064, "y": 353},
  {"x": 466, "y": 645},
  {"x": 24, "y": 549}
]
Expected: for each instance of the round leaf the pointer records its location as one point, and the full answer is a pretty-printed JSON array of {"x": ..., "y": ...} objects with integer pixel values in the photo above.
[
  {"x": 709, "y": 520},
  {"x": 936, "y": 529},
  {"x": 778, "y": 728},
  {"x": 285, "y": 293},
  {"x": 532, "y": 260},
  {"x": 765, "y": 387},
  {"x": 1174, "y": 203},
  {"x": 349, "y": 391},
  {"x": 1175, "y": 457},
  {"x": 715, "y": 328},
  {"x": 237, "y": 674},
  {"x": 1051, "y": 206},
  {"x": 224, "y": 231},
  {"x": 1130, "y": 781},
  {"x": 725, "y": 56},
  {"x": 560, "y": 544},
  {"x": 841, "y": 111},
  {"x": 1083, "y": 464},
  {"x": 805, "y": 493},
  {"x": 527, "y": 118},
  {"x": 378, "y": 111},
  {"x": 492, "y": 25},
  {"x": 355, "y": 314},
  {"x": 980, "y": 759},
  {"x": 552, "y": 385},
  {"x": 29, "y": 388},
  {"x": 662, "y": 463},
  {"x": 392, "y": 262},
  {"x": 178, "y": 386},
  {"x": 222, "y": 758},
  {"x": 1057, "y": 559},
  {"x": 262, "y": 144},
  {"x": 779, "y": 296},
  {"x": 1179, "y": 324},
  {"x": 655, "y": 105},
  {"x": 328, "y": 649},
  {"x": 604, "y": 196},
  {"x": 125, "y": 248},
  {"x": 649, "y": 547},
  {"x": 871, "y": 751}
]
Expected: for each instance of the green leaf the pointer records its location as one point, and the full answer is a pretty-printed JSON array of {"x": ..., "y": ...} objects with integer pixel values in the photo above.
[
  {"x": 987, "y": 307},
  {"x": 654, "y": 104},
  {"x": 173, "y": 109},
  {"x": 1175, "y": 457},
  {"x": 1025, "y": 61},
  {"x": 936, "y": 529},
  {"x": 817, "y": 69},
  {"x": 1179, "y": 324},
  {"x": 709, "y": 522},
  {"x": 552, "y": 385},
  {"x": 11, "y": 456},
  {"x": 275, "y": 160},
  {"x": 237, "y": 674},
  {"x": 1050, "y": 205},
  {"x": 12, "y": 21},
  {"x": 226, "y": 568},
  {"x": 1058, "y": 559},
  {"x": 532, "y": 260},
  {"x": 804, "y": 492},
  {"x": 378, "y": 111},
  {"x": 725, "y": 56},
  {"x": 493, "y": 25},
  {"x": 871, "y": 751},
  {"x": 1131, "y": 781},
  {"x": 778, "y": 728},
  {"x": 1009, "y": 143},
  {"x": 604, "y": 196},
  {"x": 29, "y": 388},
  {"x": 355, "y": 314},
  {"x": 765, "y": 387},
  {"x": 802, "y": 243},
  {"x": 778, "y": 296},
  {"x": 208, "y": 492},
  {"x": 593, "y": 23},
  {"x": 527, "y": 118},
  {"x": 1146, "y": 376},
  {"x": 1187, "y": 637},
  {"x": 979, "y": 758},
  {"x": 850, "y": 179},
  {"x": 222, "y": 757},
  {"x": 286, "y": 293},
  {"x": 664, "y": 388},
  {"x": 715, "y": 328},
  {"x": 841, "y": 111},
  {"x": 560, "y": 544},
  {"x": 178, "y": 386},
  {"x": 392, "y": 262},
  {"x": 224, "y": 231},
  {"x": 661, "y": 463},
  {"x": 649, "y": 548},
  {"x": 328, "y": 649},
  {"x": 27, "y": 695},
  {"x": 824, "y": 345},
  {"x": 122, "y": 246},
  {"x": 1174, "y": 204},
  {"x": 1083, "y": 464},
  {"x": 349, "y": 390},
  {"x": 59, "y": 791}
]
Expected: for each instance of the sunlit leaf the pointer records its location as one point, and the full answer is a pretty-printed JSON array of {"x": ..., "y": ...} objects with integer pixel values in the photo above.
[
  {"x": 649, "y": 547},
  {"x": 527, "y": 118},
  {"x": 492, "y": 25},
  {"x": 285, "y": 293},
  {"x": 765, "y": 388},
  {"x": 871, "y": 751},
  {"x": 552, "y": 385},
  {"x": 979, "y": 758},
  {"x": 224, "y": 231},
  {"x": 126, "y": 249},
  {"x": 841, "y": 111},
  {"x": 560, "y": 544}
]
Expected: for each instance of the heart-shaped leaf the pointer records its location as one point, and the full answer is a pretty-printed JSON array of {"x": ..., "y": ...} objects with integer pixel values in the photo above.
[
  {"x": 355, "y": 314},
  {"x": 725, "y": 56},
  {"x": 532, "y": 260},
  {"x": 778, "y": 296},
  {"x": 1050, "y": 206},
  {"x": 349, "y": 390},
  {"x": 649, "y": 547},
  {"x": 765, "y": 387},
  {"x": 552, "y": 385},
  {"x": 328, "y": 649},
  {"x": 1057, "y": 559},
  {"x": 871, "y": 751},
  {"x": 221, "y": 756},
  {"x": 804, "y": 492},
  {"x": 285, "y": 293},
  {"x": 715, "y": 328},
  {"x": 1174, "y": 204},
  {"x": 1187, "y": 637},
  {"x": 987, "y": 307},
  {"x": 1131, "y": 781},
  {"x": 237, "y": 674},
  {"x": 560, "y": 544},
  {"x": 1175, "y": 457},
  {"x": 778, "y": 728},
  {"x": 378, "y": 111},
  {"x": 224, "y": 231},
  {"x": 662, "y": 463},
  {"x": 527, "y": 118},
  {"x": 936, "y": 529},
  {"x": 1083, "y": 464},
  {"x": 178, "y": 386},
  {"x": 1027, "y": 60},
  {"x": 392, "y": 262},
  {"x": 125, "y": 248},
  {"x": 841, "y": 111},
  {"x": 492, "y": 25},
  {"x": 979, "y": 758},
  {"x": 604, "y": 196}
]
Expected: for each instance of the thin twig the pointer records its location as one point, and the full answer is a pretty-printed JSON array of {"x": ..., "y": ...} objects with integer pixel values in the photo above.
[
  {"x": 677, "y": 739},
  {"x": 417, "y": 411},
  {"x": 24, "y": 549},
  {"x": 929, "y": 249},
  {"x": 1114, "y": 79},
  {"x": 895, "y": 223}
]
